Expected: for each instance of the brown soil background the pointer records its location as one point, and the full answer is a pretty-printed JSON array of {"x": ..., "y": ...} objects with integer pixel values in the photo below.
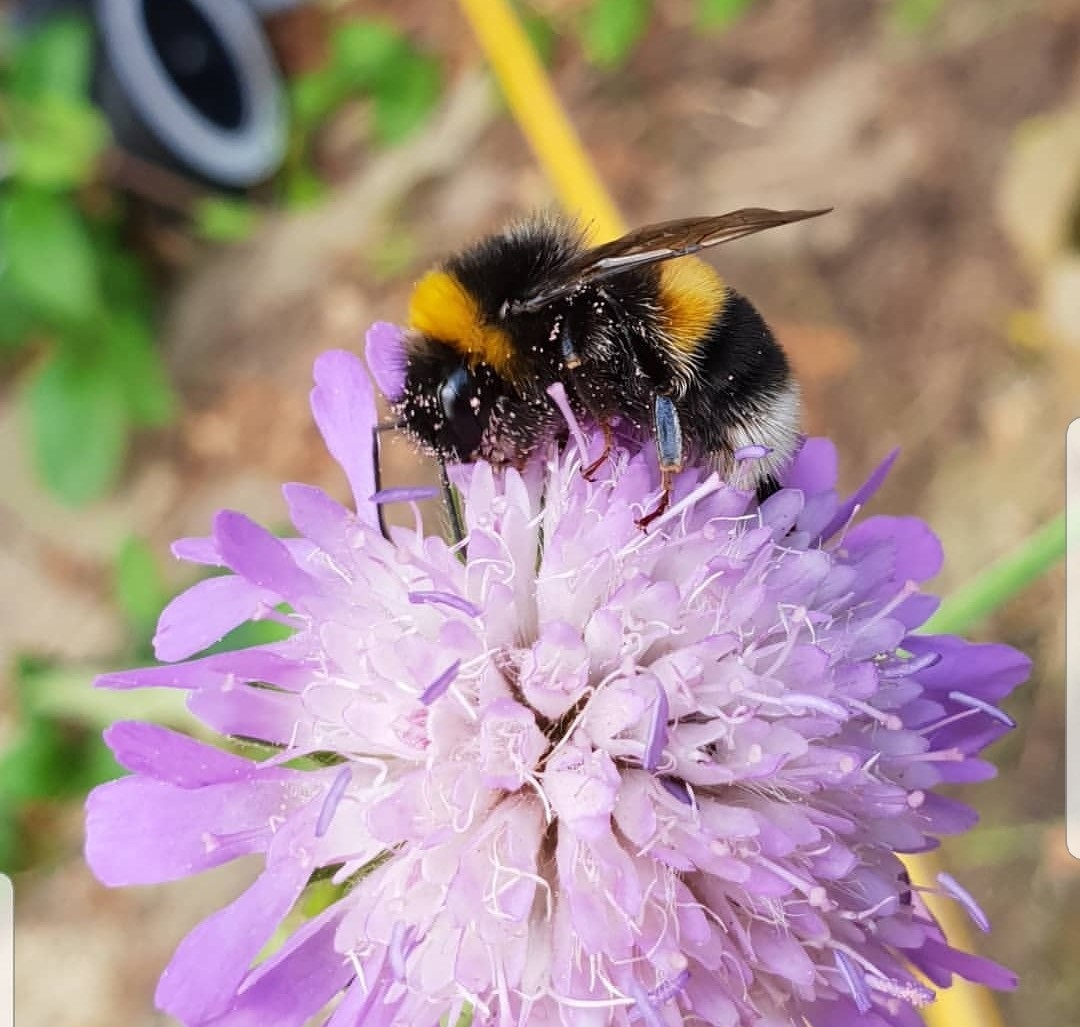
[{"x": 937, "y": 309}]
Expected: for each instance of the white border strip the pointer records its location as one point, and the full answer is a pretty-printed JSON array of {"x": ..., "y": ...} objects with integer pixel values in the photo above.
[
  {"x": 7, "y": 953},
  {"x": 1072, "y": 639}
]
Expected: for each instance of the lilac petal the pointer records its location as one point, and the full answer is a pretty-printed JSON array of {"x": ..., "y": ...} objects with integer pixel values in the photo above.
[
  {"x": 814, "y": 468},
  {"x": 917, "y": 551},
  {"x": 204, "y": 974},
  {"x": 293, "y": 984},
  {"x": 967, "y": 771},
  {"x": 416, "y": 494},
  {"x": 953, "y": 888},
  {"x": 316, "y": 516},
  {"x": 343, "y": 404},
  {"x": 267, "y": 714},
  {"x": 861, "y": 496},
  {"x": 198, "y": 550},
  {"x": 360, "y": 1001},
  {"x": 141, "y": 831},
  {"x": 990, "y": 672},
  {"x": 267, "y": 664},
  {"x": 165, "y": 755},
  {"x": 387, "y": 358},
  {"x": 916, "y": 610},
  {"x": 250, "y": 550},
  {"x": 841, "y": 1012},
  {"x": 945, "y": 815},
  {"x": 205, "y": 613},
  {"x": 781, "y": 510},
  {"x": 936, "y": 954}
]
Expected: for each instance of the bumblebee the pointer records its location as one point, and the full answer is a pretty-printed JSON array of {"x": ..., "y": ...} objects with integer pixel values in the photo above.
[{"x": 636, "y": 329}]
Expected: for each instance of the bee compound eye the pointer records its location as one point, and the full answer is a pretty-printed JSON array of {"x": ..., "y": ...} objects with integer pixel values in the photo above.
[{"x": 461, "y": 406}]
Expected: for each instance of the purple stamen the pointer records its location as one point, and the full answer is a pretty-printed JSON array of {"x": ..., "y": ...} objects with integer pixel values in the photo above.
[
  {"x": 558, "y": 396},
  {"x": 643, "y": 1006},
  {"x": 754, "y": 452},
  {"x": 955, "y": 890},
  {"x": 415, "y": 494},
  {"x": 401, "y": 946},
  {"x": 905, "y": 668},
  {"x": 974, "y": 703},
  {"x": 334, "y": 795},
  {"x": 657, "y": 731},
  {"x": 853, "y": 978},
  {"x": 438, "y": 687},
  {"x": 802, "y": 703},
  {"x": 445, "y": 599},
  {"x": 673, "y": 786},
  {"x": 665, "y": 991}
]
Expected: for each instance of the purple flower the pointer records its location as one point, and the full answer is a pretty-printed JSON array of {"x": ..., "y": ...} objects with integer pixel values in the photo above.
[{"x": 583, "y": 776}]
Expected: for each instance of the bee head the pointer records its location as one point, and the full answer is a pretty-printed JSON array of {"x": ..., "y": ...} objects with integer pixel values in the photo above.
[{"x": 444, "y": 399}]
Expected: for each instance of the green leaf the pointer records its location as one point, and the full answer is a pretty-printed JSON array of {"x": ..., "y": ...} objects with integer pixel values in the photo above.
[
  {"x": 123, "y": 278},
  {"x": 56, "y": 59},
  {"x": 541, "y": 32},
  {"x": 303, "y": 188},
  {"x": 16, "y": 322},
  {"x": 251, "y": 633},
  {"x": 221, "y": 219},
  {"x": 78, "y": 423},
  {"x": 134, "y": 361},
  {"x": 50, "y": 257},
  {"x": 719, "y": 14},
  {"x": 612, "y": 28},
  {"x": 140, "y": 586},
  {"x": 368, "y": 54},
  {"x": 314, "y": 96},
  {"x": 915, "y": 15},
  {"x": 29, "y": 766},
  {"x": 404, "y": 103},
  {"x": 56, "y": 141}
]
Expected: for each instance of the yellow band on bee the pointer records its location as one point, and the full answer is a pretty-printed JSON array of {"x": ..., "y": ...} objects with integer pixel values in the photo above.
[
  {"x": 443, "y": 309},
  {"x": 692, "y": 296}
]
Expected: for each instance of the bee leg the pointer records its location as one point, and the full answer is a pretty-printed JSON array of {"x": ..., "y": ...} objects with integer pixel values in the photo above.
[
  {"x": 376, "y": 460},
  {"x": 669, "y": 448},
  {"x": 609, "y": 440},
  {"x": 453, "y": 511}
]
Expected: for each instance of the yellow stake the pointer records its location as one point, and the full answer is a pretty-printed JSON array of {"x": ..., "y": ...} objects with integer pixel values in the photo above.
[
  {"x": 555, "y": 143},
  {"x": 540, "y": 117}
]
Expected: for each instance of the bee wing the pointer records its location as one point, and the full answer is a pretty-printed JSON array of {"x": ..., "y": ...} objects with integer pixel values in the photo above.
[{"x": 654, "y": 243}]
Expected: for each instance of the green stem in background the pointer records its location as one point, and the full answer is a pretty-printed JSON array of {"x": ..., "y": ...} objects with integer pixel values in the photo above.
[{"x": 1001, "y": 581}]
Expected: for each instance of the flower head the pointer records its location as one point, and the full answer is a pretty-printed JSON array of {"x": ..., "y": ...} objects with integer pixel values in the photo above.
[{"x": 576, "y": 774}]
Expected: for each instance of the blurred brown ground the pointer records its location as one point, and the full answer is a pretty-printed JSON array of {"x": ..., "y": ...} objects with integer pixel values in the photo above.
[{"x": 936, "y": 309}]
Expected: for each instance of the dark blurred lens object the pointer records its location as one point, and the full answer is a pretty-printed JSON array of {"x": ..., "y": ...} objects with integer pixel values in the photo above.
[{"x": 192, "y": 84}]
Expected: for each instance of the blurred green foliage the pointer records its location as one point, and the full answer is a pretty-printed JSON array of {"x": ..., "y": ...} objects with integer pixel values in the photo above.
[
  {"x": 610, "y": 30},
  {"x": 69, "y": 290},
  {"x": 915, "y": 15},
  {"x": 371, "y": 60},
  {"x": 56, "y": 754}
]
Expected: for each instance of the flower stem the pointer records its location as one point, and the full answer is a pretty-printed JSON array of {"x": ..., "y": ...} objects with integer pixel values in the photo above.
[{"x": 1001, "y": 581}]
